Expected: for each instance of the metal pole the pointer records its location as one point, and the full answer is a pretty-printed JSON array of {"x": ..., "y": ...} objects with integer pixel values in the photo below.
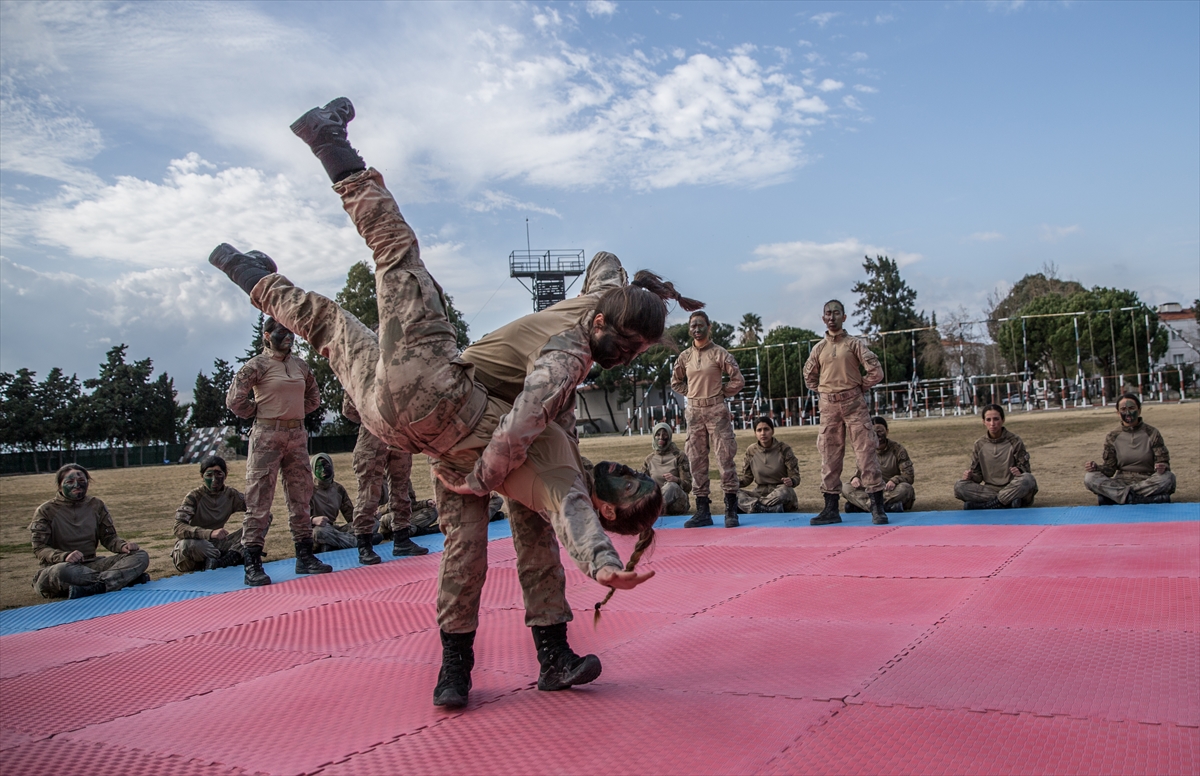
[
  {"x": 1025, "y": 376},
  {"x": 1078, "y": 361},
  {"x": 1118, "y": 381},
  {"x": 1137, "y": 364}
]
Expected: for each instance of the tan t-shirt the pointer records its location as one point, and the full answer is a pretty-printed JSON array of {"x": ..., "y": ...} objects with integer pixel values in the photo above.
[
  {"x": 62, "y": 526},
  {"x": 833, "y": 365},
  {"x": 698, "y": 371}
]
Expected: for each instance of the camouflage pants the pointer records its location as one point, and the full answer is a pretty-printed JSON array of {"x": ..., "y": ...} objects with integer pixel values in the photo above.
[
  {"x": 190, "y": 554},
  {"x": 839, "y": 419},
  {"x": 903, "y": 494},
  {"x": 424, "y": 520},
  {"x": 710, "y": 426},
  {"x": 373, "y": 460},
  {"x": 464, "y": 521},
  {"x": 272, "y": 452},
  {"x": 780, "y": 498},
  {"x": 1022, "y": 486},
  {"x": 1124, "y": 484},
  {"x": 411, "y": 389},
  {"x": 675, "y": 499},
  {"x": 334, "y": 537},
  {"x": 115, "y": 571}
]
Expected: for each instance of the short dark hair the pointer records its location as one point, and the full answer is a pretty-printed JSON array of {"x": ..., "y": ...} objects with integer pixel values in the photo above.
[
  {"x": 838, "y": 302},
  {"x": 61, "y": 474},
  {"x": 989, "y": 407},
  {"x": 879, "y": 420},
  {"x": 763, "y": 419},
  {"x": 270, "y": 325},
  {"x": 1128, "y": 395},
  {"x": 700, "y": 314},
  {"x": 209, "y": 461}
]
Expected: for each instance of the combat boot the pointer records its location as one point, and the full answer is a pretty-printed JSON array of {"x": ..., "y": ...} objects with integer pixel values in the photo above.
[
  {"x": 83, "y": 591},
  {"x": 1163, "y": 498},
  {"x": 366, "y": 555},
  {"x": 561, "y": 667},
  {"x": 403, "y": 545},
  {"x": 306, "y": 562},
  {"x": 1105, "y": 501},
  {"x": 454, "y": 679},
  {"x": 244, "y": 269},
  {"x": 252, "y": 559},
  {"x": 992, "y": 503},
  {"x": 324, "y": 131},
  {"x": 731, "y": 511},
  {"x": 878, "y": 515},
  {"x": 829, "y": 515},
  {"x": 703, "y": 516}
]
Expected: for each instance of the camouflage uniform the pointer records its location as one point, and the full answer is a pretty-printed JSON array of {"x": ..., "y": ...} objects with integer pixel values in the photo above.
[
  {"x": 202, "y": 512},
  {"x": 670, "y": 461},
  {"x": 992, "y": 461},
  {"x": 895, "y": 466},
  {"x": 1128, "y": 466},
  {"x": 62, "y": 526},
  {"x": 765, "y": 468},
  {"x": 697, "y": 374},
  {"x": 373, "y": 462},
  {"x": 832, "y": 369},
  {"x": 329, "y": 499},
  {"x": 413, "y": 391},
  {"x": 277, "y": 444}
]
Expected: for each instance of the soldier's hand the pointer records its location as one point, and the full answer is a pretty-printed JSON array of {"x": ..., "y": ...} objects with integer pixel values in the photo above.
[
  {"x": 670, "y": 477},
  {"x": 856, "y": 483},
  {"x": 75, "y": 557},
  {"x": 621, "y": 580},
  {"x": 455, "y": 482},
  {"x": 789, "y": 483},
  {"x": 320, "y": 520},
  {"x": 219, "y": 534},
  {"x": 1161, "y": 468},
  {"x": 967, "y": 474},
  {"x": 1015, "y": 471},
  {"x": 1090, "y": 466},
  {"x": 129, "y": 547},
  {"x": 889, "y": 486}
]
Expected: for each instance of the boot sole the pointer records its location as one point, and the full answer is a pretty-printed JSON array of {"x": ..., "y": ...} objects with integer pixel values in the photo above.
[
  {"x": 815, "y": 521},
  {"x": 690, "y": 524},
  {"x": 588, "y": 672},
  {"x": 408, "y": 554},
  {"x": 325, "y": 570},
  {"x": 450, "y": 700},
  {"x": 256, "y": 584},
  {"x": 375, "y": 561}
]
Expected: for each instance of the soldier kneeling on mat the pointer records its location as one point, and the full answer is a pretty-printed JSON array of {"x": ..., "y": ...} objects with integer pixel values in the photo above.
[
  {"x": 771, "y": 467},
  {"x": 65, "y": 533},
  {"x": 669, "y": 468},
  {"x": 897, "y": 470},
  {"x": 202, "y": 542},
  {"x": 329, "y": 497},
  {"x": 1136, "y": 468}
]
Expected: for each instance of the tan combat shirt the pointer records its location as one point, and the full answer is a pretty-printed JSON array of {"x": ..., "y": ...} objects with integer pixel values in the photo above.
[
  {"x": 766, "y": 467},
  {"x": 992, "y": 459},
  {"x": 697, "y": 373},
  {"x": 204, "y": 511},
  {"x": 62, "y": 526},
  {"x": 833, "y": 365},
  {"x": 1134, "y": 450},
  {"x": 330, "y": 498},
  {"x": 894, "y": 464},
  {"x": 273, "y": 386},
  {"x": 669, "y": 461}
]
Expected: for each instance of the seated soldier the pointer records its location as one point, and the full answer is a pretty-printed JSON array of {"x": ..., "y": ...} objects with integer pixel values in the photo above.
[
  {"x": 328, "y": 499},
  {"x": 1137, "y": 466},
  {"x": 669, "y": 467},
  {"x": 999, "y": 475},
  {"x": 65, "y": 533},
  {"x": 424, "y": 518},
  {"x": 897, "y": 469},
  {"x": 771, "y": 467},
  {"x": 202, "y": 542}
]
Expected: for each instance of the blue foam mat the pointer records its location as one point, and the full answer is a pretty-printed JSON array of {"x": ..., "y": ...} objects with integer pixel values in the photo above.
[{"x": 199, "y": 584}]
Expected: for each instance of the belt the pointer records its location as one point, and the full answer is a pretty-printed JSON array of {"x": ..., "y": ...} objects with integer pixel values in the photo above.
[
  {"x": 711, "y": 401},
  {"x": 278, "y": 423},
  {"x": 841, "y": 396}
]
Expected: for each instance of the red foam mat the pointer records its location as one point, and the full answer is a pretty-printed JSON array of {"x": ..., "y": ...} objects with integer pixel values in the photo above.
[
  {"x": 916, "y": 561},
  {"x": 1141, "y": 676},
  {"x": 872, "y": 740},
  {"x": 24, "y": 653},
  {"x": 720, "y": 559},
  {"x": 359, "y": 581},
  {"x": 59, "y": 757},
  {"x": 328, "y": 629},
  {"x": 1147, "y": 560},
  {"x": 668, "y": 592},
  {"x": 1187, "y": 534},
  {"x": 625, "y": 731},
  {"x": 839, "y": 536},
  {"x": 1157, "y": 603},
  {"x": 946, "y": 535}
]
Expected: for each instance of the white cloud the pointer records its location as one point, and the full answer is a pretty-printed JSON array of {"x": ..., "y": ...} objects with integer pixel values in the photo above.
[
  {"x": 830, "y": 85},
  {"x": 884, "y": 18},
  {"x": 1005, "y": 6},
  {"x": 986, "y": 236},
  {"x": 820, "y": 268},
  {"x": 601, "y": 8},
  {"x": 498, "y": 200},
  {"x": 851, "y": 102},
  {"x": 814, "y": 58},
  {"x": 804, "y": 44},
  {"x": 822, "y": 19},
  {"x": 1053, "y": 234},
  {"x": 857, "y": 56},
  {"x": 44, "y": 138},
  {"x": 865, "y": 89}
]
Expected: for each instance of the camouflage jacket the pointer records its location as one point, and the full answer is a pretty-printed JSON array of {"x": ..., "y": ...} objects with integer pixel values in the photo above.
[
  {"x": 62, "y": 526},
  {"x": 241, "y": 400},
  {"x": 1134, "y": 450},
  {"x": 204, "y": 511},
  {"x": 992, "y": 459}
]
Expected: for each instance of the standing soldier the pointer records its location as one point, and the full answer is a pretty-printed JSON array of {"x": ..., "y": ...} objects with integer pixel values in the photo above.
[
  {"x": 835, "y": 370},
  {"x": 277, "y": 389},
  {"x": 668, "y": 466},
  {"x": 897, "y": 470},
  {"x": 373, "y": 459},
  {"x": 1136, "y": 468},
  {"x": 201, "y": 538},
  {"x": 697, "y": 374}
]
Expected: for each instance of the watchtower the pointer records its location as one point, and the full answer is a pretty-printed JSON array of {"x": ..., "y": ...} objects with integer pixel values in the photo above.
[{"x": 548, "y": 272}]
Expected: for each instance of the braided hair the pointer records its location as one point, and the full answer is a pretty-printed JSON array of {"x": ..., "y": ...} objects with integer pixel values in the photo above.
[{"x": 645, "y": 539}]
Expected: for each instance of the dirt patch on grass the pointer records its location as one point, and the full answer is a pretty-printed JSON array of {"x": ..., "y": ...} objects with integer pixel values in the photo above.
[{"x": 143, "y": 501}]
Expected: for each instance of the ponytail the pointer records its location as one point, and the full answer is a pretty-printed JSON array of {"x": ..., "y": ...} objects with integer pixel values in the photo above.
[
  {"x": 645, "y": 539},
  {"x": 664, "y": 289}
]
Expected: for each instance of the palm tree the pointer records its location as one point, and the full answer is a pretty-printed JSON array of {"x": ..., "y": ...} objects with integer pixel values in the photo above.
[{"x": 750, "y": 329}]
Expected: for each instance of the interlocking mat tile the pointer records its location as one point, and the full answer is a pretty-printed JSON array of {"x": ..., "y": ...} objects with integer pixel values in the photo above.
[
  {"x": 598, "y": 729},
  {"x": 872, "y": 740},
  {"x": 1140, "y": 676},
  {"x": 721, "y": 559},
  {"x": 1186, "y": 534},
  {"x": 851, "y": 599},
  {"x": 327, "y": 629},
  {"x": 58, "y": 757},
  {"x": 946, "y": 535},
  {"x": 1144, "y": 560},
  {"x": 916, "y": 561},
  {"x": 360, "y": 580},
  {"x": 10, "y": 739},
  {"x": 24, "y": 653},
  {"x": 668, "y": 592},
  {"x": 283, "y": 724},
  {"x": 1156, "y": 603},
  {"x": 29, "y": 618},
  {"x": 825, "y": 536}
]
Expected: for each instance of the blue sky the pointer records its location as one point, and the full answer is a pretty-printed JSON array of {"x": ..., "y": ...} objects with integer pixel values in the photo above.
[{"x": 751, "y": 152}]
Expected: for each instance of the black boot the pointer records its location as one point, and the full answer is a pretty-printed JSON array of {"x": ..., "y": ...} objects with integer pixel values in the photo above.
[
  {"x": 1135, "y": 498},
  {"x": 1105, "y": 501},
  {"x": 366, "y": 555},
  {"x": 403, "y": 545},
  {"x": 244, "y": 269},
  {"x": 306, "y": 562},
  {"x": 829, "y": 515},
  {"x": 252, "y": 559},
  {"x": 703, "y": 514},
  {"x": 878, "y": 516},
  {"x": 731, "y": 511},
  {"x": 83, "y": 591},
  {"x": 454, "y": 680},
  {"x": 561, "y": 668},
  {"x": 992, "y": 503},
  {"x": 324, "y": 130}
]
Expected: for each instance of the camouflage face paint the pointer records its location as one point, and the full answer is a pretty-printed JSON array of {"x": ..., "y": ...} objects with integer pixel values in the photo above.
[
  {"x": 618, "y": 485},
  {"x": 698, "y": 329},
  {"x": 661, "y": 439},
  {"x": 1130, "y": 413},
  {"x": 75, "y": 485},
  {"x": 282, "y": 339},
  {"x": 214, "y": 479},
  {"x": 322, "y": 469}
]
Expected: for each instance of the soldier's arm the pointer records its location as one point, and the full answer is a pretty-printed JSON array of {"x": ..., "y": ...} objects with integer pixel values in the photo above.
[
  {"x": 239, "y": 501},
  {"x": 736, "y": 382},
  {"x": 907, "y": 472},
  {"x": 976, "y": 467},
  {"x": 812, "y": 368},
  {"x": 1020, "y": 456},
  {"x": 679, "y": 374},
  {"x": 578, "y": 529},
  {"x": 312, "y": 394},
  {"x": 792, "y": 464},
  {"x": 870, "y": 362},
  {"x": 107, "y": 532},
  {"x": 1108, "y": 467},
  {"x": 183, "y": 520},
  {"x": 685, "y": 472},
  {"x": 349, "y": 410},
  {"x": 746, "y": 474},
  {"x": 347, "y": 506},
  {"x": 240, "y": 397},
  {"x": 1160, "y": 450},
  {"x": 39, "y": 531}
]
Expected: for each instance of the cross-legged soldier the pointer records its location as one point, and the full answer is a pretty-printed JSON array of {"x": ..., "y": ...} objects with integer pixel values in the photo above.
[
  {"x": 1136, "y": 467},
  {"x": 203, "y": 542}
]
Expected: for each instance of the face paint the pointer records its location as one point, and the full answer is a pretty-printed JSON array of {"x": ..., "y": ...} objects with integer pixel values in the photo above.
[
  {"x": 698, "y": 329},
  {"x": 75, "y": 485},
  {"x": 282, "y": 339},
  {"x": 1130, "y": 413},
  {"x": 661, "y": 439},
  {"x": 619, "y": 485},
  {"x": 322, "y": 469},
  {"x": 214, "y": 479},
  {"x": 834, "y": 316},
  {"x": 881, "y": 433}
]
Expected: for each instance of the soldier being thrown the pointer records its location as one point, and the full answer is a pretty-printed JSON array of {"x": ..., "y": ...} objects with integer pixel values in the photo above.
[
  {"x": 669, "y": 468},
  {"x": 202, "y": 541},
  {"x": 771, "y": 468},
  {"x": 1136, "y": 468},
  {"x": 999, "y": 475},
  {"x": 697, "y": 374},
  {"x": 835, "y": 370},
  {"x": 515, "y": 436},
  {"x": 897, "y": 470},
  {"x": 277, "y": 389},
  {"x": 65, "y": 533}
]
